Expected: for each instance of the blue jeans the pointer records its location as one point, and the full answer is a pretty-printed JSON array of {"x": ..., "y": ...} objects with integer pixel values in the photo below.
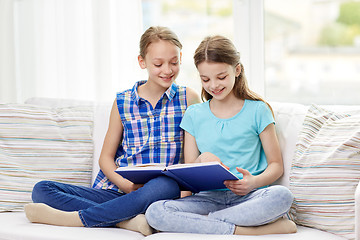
[
  {"x": 101, "y": 208},
  {"x": 218, "y": 212}
]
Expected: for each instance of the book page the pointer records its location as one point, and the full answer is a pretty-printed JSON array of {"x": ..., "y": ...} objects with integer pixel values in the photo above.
[
  {"x": 150, "y": 165},
  {"x": 145, "y": 166},
  {"x": 186, "y": 165}
]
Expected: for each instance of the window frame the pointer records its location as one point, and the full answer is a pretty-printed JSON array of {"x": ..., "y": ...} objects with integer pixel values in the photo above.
[{"x": 249, "y": 40}]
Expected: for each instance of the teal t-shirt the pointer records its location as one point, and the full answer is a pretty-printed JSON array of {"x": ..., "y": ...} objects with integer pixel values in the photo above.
[{"x": 234, "y": 140}]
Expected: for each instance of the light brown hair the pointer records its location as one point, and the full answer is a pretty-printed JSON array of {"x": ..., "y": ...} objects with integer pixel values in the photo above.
[
  {"x": 154, "y": 34},
  {"x": 219, "y": 49}
]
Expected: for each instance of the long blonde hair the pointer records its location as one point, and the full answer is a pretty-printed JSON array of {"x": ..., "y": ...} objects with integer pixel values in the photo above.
[
  {"x": 219, "y": 49},
  {"x": 154, "y": 34}
]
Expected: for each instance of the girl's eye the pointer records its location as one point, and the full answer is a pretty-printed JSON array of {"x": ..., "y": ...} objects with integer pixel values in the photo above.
[
  {"x": 222, "y": 78},
  {"x": 157, "y": 65},
  {"x": 205, "y": 80},
  {"x": 175, "y": 63}
]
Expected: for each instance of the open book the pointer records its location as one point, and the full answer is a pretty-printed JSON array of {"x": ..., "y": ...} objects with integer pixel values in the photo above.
[{"x": 194, "y": 177}]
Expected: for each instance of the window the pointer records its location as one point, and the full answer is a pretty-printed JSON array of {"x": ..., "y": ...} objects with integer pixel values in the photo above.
[
  {"x": 312, "y": 51},
  {"x": 293, "y": 51}
]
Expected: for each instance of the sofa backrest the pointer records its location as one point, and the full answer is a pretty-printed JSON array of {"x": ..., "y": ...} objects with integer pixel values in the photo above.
[
  {"x": 289, "y": 118},
  {"x": 101, "y": 123}
]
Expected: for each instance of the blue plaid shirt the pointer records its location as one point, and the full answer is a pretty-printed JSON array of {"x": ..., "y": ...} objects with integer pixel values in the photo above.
[{"x": 150, "y": 135}]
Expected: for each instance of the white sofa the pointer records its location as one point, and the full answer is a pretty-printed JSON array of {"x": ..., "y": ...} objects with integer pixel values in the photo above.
[{"x": 289, "y": 117}]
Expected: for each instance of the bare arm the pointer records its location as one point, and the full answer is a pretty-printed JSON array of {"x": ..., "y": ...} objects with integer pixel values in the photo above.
[
  {"x": 191, "y": 151},
  {"x": 272, "y": 151},
  {"x": 111, "y": 143}
]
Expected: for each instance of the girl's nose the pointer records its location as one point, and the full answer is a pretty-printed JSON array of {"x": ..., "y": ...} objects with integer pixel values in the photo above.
[
  {"x": 214, "y": 84},
  {"x": 168, "y": 70}
]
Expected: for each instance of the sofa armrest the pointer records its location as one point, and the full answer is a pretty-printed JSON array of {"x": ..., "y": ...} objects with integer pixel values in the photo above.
[{"x": 357, "y": 212}]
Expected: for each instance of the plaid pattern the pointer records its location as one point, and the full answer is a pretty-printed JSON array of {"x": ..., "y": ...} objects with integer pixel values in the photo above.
[{"x": 151, "y": 135}]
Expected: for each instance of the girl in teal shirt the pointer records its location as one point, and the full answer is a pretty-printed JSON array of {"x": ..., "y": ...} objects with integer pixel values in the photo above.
[{"x": 235, "y": 127}]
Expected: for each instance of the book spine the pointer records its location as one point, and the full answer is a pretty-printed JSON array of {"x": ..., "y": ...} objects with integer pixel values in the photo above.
[{"x": 182, "y": 184}]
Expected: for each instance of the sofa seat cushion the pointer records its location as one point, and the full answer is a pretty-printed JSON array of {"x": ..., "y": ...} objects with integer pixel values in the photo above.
[
  {"x": 304, "y": 233},
  {"x": 15, "y": 226}
]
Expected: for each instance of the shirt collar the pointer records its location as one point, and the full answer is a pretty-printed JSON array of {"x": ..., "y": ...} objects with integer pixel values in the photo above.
[
  {"x": 134, "y": 94},
  {"x": 170, "y": 92}
]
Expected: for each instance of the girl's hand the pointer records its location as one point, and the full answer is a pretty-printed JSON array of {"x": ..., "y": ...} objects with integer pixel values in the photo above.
[
  {"x": 128, "y": 186},
  {"x": 243, "y": 186}
]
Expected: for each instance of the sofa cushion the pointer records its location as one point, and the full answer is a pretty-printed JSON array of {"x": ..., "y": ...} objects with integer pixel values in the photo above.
[
  {"x": 101, "y": 121},
  {"x": 325, "y": 171},
  {"x": 15, "y": 226},
  {"x": 303, "y": 233},
  {"x": 288, "y": 123},
  {"x": 38, "y": 142}
]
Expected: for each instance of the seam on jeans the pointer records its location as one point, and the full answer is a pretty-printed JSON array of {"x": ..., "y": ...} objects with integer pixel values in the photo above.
[
  {"x": 82, "y": 219},
  {"x": 102, "y": 223},
  {"x": 114, "y": 222},
  {"x": 270, "y": 220},
  {"x": 264, "y": 194}
]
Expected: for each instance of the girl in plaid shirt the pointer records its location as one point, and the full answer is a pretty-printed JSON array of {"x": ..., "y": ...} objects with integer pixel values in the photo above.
[{"x": 144, "y": 127}]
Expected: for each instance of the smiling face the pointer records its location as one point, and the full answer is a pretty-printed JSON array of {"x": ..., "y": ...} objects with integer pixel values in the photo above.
[
  {"x": 162, "y": 62},
  {"x": 218, "y": 79}
]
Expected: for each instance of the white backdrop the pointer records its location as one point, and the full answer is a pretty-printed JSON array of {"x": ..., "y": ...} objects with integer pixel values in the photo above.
[{"x": 75, "y": 49}]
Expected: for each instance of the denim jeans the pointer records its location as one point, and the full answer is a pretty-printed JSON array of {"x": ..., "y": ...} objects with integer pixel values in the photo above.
[
  {"x": 218, "y": 212},
  {"x": 101, "y": 208}
]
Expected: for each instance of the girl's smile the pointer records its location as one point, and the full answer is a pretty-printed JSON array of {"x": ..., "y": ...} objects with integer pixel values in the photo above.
[
  {"x": 217, "y": 92},
  {"x": 167, "y": 78}
]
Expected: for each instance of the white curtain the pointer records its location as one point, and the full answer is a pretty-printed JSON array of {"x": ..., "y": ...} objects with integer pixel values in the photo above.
[
  {"x": 72, "y": 49},
  {"x": 7, "y": 52}
]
